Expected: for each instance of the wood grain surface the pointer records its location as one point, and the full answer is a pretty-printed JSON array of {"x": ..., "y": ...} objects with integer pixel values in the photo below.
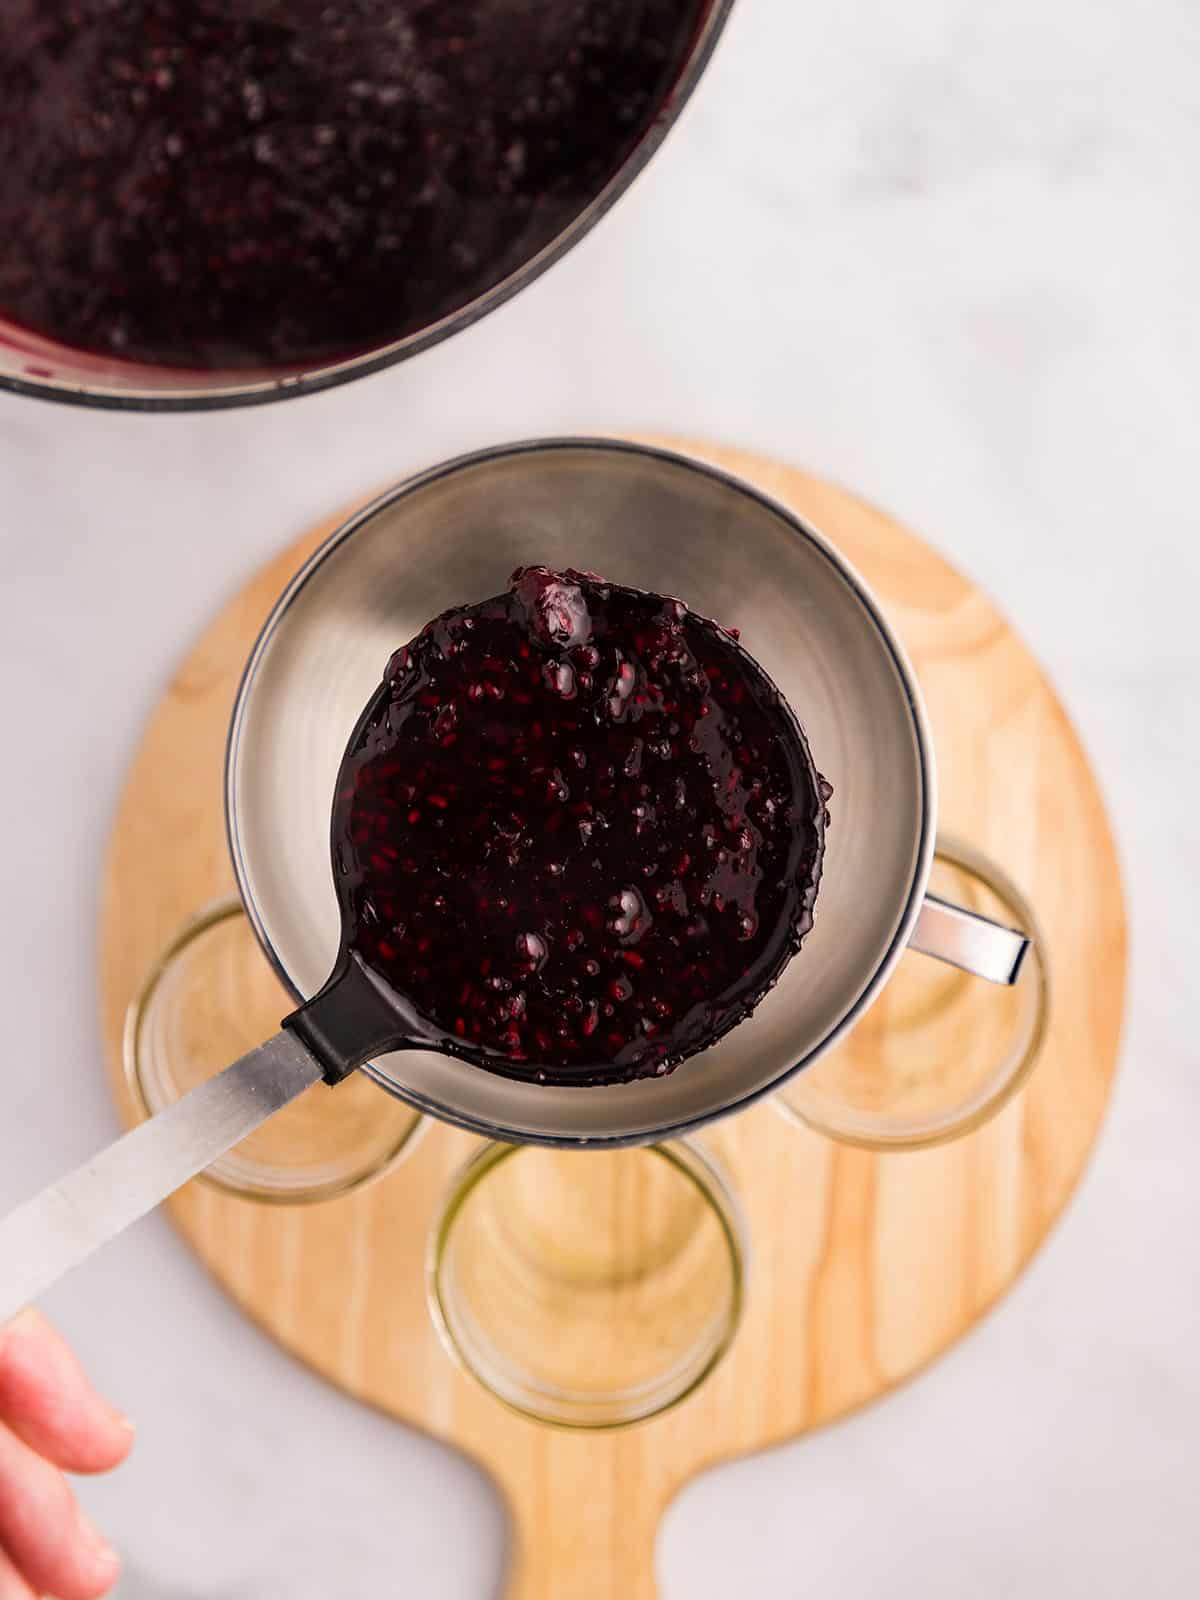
[{"x": 864, "y": 1267}]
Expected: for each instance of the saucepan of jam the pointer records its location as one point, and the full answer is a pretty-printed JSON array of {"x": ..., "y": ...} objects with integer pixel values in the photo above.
[
  {"x": 207, "y": 201},
  {"x": 577, "y": 836}
]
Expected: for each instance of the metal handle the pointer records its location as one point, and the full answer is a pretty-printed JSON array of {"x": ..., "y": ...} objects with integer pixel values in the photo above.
[
  {"x": 55, "y": 1231},
  {"x": 965, "y": 939}
]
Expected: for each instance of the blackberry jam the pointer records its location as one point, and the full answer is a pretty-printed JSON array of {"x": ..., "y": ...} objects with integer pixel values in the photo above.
[
  {"x": 271, "y": 183},
  {"x": 578, "y": 829}
]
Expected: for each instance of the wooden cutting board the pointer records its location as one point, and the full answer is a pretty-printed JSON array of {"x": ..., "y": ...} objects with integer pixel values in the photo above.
[{"x": 864, "y": 1267}]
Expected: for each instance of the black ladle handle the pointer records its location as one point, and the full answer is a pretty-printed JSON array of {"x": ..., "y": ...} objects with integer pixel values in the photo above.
[{"x": 350, "y": 1019}]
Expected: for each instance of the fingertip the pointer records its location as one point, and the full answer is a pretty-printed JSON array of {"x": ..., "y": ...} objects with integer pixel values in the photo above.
[
  {"x": 97, "y": 1566},
  {"x": 48, "y": 1539},
  {"x": 47, "y": 1399},
  {"x": 27, "y": 1323},
  {"x": 112, "y": 1451}
]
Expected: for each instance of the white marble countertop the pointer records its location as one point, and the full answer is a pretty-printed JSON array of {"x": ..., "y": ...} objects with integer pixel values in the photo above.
[{"x": 947, "y": 254}]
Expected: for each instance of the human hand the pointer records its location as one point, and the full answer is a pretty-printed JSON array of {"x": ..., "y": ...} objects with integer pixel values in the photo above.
[{"x": 51, "y": 1421}]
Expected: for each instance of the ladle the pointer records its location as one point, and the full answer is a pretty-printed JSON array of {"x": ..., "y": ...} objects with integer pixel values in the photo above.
[{"x": 360, "y": 1012}]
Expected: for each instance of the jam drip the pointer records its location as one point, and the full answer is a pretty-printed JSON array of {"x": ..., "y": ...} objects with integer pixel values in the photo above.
[
  {"x": 271, "y": 183},
  {"x": 579, "y": 829}
]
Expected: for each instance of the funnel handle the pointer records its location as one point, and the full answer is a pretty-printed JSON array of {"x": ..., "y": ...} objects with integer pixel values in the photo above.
[{"x": 963, "y": 938}]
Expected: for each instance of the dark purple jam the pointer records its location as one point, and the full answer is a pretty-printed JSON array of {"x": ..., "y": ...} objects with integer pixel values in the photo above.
[
  {"x": 248, "y": 183},
  {"x": 578, "y": 829}
]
